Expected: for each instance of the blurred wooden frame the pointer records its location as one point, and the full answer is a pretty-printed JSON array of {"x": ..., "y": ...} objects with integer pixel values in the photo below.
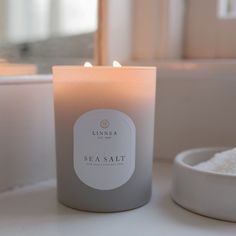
[
  {"x": 130, "y": 30},
  {"x": 100, "y": 34},
  {"x": 152, "y": 30}
]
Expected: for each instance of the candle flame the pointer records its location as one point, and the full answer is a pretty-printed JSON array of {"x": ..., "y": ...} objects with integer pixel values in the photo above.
[
  {"x": 116, "y": 64},
  {"x": 88, "y": 64}
]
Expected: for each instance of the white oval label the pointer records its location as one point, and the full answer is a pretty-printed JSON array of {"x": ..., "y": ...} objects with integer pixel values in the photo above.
[{"x": 104, "y": 148}]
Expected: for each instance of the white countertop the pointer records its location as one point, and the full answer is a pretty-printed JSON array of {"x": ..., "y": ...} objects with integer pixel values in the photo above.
[{"x": 34, "y": 210}]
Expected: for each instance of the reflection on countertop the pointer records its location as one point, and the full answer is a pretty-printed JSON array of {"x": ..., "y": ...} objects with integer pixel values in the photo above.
[{"x": 34, "y": 210}]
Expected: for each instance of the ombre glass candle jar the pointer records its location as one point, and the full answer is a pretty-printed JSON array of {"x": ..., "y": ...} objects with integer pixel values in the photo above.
[{"x": 104, "y": 122}]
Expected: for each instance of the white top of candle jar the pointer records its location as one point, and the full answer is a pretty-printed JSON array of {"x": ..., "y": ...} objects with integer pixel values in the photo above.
[
  {"x": 103, "y": 73},
  {"x": 74, "y": 67}
]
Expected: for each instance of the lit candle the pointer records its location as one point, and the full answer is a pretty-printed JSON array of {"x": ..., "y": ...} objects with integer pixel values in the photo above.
[{"x": 104, "y": 121}]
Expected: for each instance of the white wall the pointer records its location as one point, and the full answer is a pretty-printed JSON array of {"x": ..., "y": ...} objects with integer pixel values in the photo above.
[
  {"x": 26, "y": 132},
  {"x": 195, "y": 106}
]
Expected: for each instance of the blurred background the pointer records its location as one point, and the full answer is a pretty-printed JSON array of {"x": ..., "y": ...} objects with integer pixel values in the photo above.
[
  {"x": 191, "y": 42},
  {"x": 47, "y": 32}
]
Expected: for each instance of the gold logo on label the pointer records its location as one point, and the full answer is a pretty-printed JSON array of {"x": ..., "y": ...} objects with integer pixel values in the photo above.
[{"x": 104, "y": 124}]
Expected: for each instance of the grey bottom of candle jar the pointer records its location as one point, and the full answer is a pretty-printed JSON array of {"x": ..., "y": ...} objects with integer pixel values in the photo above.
[
  {"x": 105, "y": 207},
  {"x": 105, "y": 211}
]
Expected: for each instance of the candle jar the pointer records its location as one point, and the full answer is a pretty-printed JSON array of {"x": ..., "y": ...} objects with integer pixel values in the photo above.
[{"x": 104, "y": 123}]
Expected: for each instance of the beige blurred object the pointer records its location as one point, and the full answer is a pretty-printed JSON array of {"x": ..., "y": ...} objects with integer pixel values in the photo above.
[
  {"x": 8, "y": 69},
  {"x": 114, "y": 33},
  {"x": 3, "y": 61},
  {"x": 147, "y": 30}
]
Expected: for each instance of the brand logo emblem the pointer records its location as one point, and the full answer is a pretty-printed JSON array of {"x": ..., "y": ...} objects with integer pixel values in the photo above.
[{"x": 104, "y": 124}]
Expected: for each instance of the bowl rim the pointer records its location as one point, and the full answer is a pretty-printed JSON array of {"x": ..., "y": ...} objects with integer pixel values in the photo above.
[
  {"x": 26, "y": 79},
  {"x": 179, "y": 160}
]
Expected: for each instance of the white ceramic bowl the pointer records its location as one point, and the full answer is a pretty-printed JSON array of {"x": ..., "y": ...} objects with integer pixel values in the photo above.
[
  {"x": 26, "y": 130},
  {"x": 206, "y": 193}
]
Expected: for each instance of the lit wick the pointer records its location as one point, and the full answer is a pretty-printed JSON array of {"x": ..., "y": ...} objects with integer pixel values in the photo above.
[
  {"x": 88, "y": 64},
  {"x": 116, "y": 64}
]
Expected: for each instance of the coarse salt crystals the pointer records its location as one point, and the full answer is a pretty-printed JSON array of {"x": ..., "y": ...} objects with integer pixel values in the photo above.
[{"x": 223, "y": 162}]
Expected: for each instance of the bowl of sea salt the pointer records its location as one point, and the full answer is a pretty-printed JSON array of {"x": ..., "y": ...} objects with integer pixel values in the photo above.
[{"x": 204, "y": 182}]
